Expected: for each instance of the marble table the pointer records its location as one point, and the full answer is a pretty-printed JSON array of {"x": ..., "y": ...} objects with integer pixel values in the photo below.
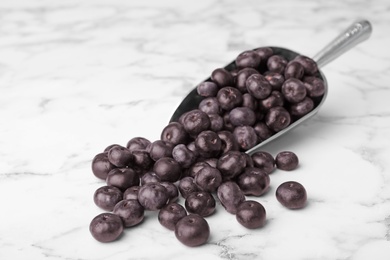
[{"x": 77, "y": 76}]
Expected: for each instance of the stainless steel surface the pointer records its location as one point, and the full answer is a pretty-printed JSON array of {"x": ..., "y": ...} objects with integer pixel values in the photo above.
[{"x": 356, "y": 33}]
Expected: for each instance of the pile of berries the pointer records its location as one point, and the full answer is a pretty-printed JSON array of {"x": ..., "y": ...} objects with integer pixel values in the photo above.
[{"x": 201, "y": 156}]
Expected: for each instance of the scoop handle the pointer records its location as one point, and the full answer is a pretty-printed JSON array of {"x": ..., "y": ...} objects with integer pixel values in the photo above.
[{"x": 356, "y": 33}]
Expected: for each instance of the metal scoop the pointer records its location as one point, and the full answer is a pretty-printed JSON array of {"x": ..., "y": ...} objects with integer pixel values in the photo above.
[{"x": 356, "y": 33}]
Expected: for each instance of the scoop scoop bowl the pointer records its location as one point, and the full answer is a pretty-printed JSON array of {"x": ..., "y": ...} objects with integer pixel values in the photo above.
[{"x": 356, "y": 33}]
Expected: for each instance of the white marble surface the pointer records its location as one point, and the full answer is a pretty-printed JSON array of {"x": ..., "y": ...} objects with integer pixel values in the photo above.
[{"x": 76, "y": 76}]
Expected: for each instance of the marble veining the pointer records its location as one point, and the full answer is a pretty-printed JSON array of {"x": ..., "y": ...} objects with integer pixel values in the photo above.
[{"x": 77, "y": 76}]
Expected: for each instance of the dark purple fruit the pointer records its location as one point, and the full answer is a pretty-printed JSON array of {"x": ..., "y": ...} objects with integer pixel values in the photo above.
[
  {"x": 208, "y": 179},
  {"x": 241, "y": 78},
  {"x": 251, "y": 214},
  {"x": 187, "y": 186},
  {"x": 245, "y": 136},
  {"x": 169, "y": 215},
  {"x": 277, "y": 118},
  {"x": 228, "y": 141},
  {"x": 106, "y": 227},
  {"x": 276, "y": 63},
  {"x": 258, "y": 86},
  {"x": 209, "y": 105},
  {"x": 294, "y": 69},
  {"x": 275, "y": 79},
  {"x": 302, "y": 108},
  {"x": 293, "y": 90},
  {"x": 315, "y": 87},
  {"x": 262, "y": 131},
  {"x": 184, "y": 156},
  {"x": 123, "y": 178},
  {"x": 292, "y": 195},
  {"x": 276, "y": 99},
  {"x": 130, "y": 211},
  {"x": 253, "y": 181},
  {"x": 207, "y": 89},
  {"x": 131, "y": 193},
  {"x": 153, "y": 196},
  {"x": 286, "y": 161},
  {"x": 201, "y": 203},
  {"x": 138, "y": 143},
  {"x": 120, "y": 156},
  {"x": 159, "y": 149},
  {"x": 241, "y": 116},
  {"x": 264, "y": 161},
  {"x": 222, "y": 77},
  {"x": 216, "y": 122},
  {"x": 101, "y": 166},
  {"x": 208, "y": 144},
  {"x": 231, "y": 164},
  {"x": 149, "y": 177},
  {"x": 192, "y": 230},
  {"x": 142, "y": 160},
  {"x": 248, "y": 59},
  {"x": 174, "y": 133},
  {"x": 230, "y": 195},
  {"x": 106, "y": 197},
  {"x": 249, "y": 101},
  {"x": 167, "y": 169},
  {"x": 229, "y": 98},
  {"x": 309, "y": 65},
  {"x": 173, "y": 192},
  {"x": 195, "y": 121}
]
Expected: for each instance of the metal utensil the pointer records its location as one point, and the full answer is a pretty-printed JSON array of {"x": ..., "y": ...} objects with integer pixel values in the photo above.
[{"x": 356, "y": 33}]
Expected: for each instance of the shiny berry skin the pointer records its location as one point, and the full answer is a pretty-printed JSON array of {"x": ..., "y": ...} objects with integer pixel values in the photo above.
[
  {"x": 251, "y": 214},
  {"x": 187, "y": 186},
  {"x": 315, "y": 86},
  {"x": 276, "y": 63},
  {"x": 209, "y": 105},
  {"x": 258, "y": 86},
  {"x": 192, "y": 230},
  {"x": 130, "y": 211},
  {"x": 123, "y": 178},
  {"x": 174, "y": 133},
  {"x": 240, "y": 116},
  {"x": 277, "y": 118},
  {"x": 208, "y": 144},
  {"x": 184, "y": 156},
  {"x": 231, "y": 164},
  {"x": 208, "y": 179},
  {"x": 294, "y": 70},
  {"x": 131, "y": 193},
  {"x": 106, "y": 227},
  {"x": 286, "y": 161},
  {"x": 253, "y": 181},
  {"x": 201, "y": 203},
  {"x": 229, "y": 98},
  {"x": 241, "y": 78},
  {"x": 153, "y": 196},
  {"x": 264, "y": 161},
  {"x": 167, "y": 169},
  {"x": 222, "y": 77},
  {"x": 248, "y": 59},
  {"x": 195, "y": 121},
  {"x": 159, "y": 149},
  {"x": 106, "y": 197},
  {"x": 246, "y": 137},
  {"x": 149, "y": 177},
  {"x": 101, "y": 166},
  {"x": 230, "y": 195},
  {"x": 292, "y": 195},
  {"x": 228, "y": 141},
  {"x": 293, "y": 90},
  {"x": 138, "y": 143},
  {"x": 169, "y": 215},
  {"x": 173, "y": 192},
  {"x": 302, "y": 108},
  {"x": 309, "y": 65},
  {"x": 120, "y": 156},
  {"x": 207, "y": 89}
]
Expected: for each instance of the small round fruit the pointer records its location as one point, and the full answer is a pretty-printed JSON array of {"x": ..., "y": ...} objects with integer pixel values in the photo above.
[
  {"x": 192, "y": 230},
  {"x": 153, "y": 196},
  {"x": 130, "y": 211},
  {"x": 230, "y": 195},
  {"x": 292, "y": 195},
  {"x": 201, "y": 203},
  {"x": 169, "y": 215},
  {"x": 106, "y": 227},
  {"x": 251, "y": 214},
  {"x": 101, "y": 166},
  {"x": 106, "y": 197},
  {"x": 286, "y": 161}
]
